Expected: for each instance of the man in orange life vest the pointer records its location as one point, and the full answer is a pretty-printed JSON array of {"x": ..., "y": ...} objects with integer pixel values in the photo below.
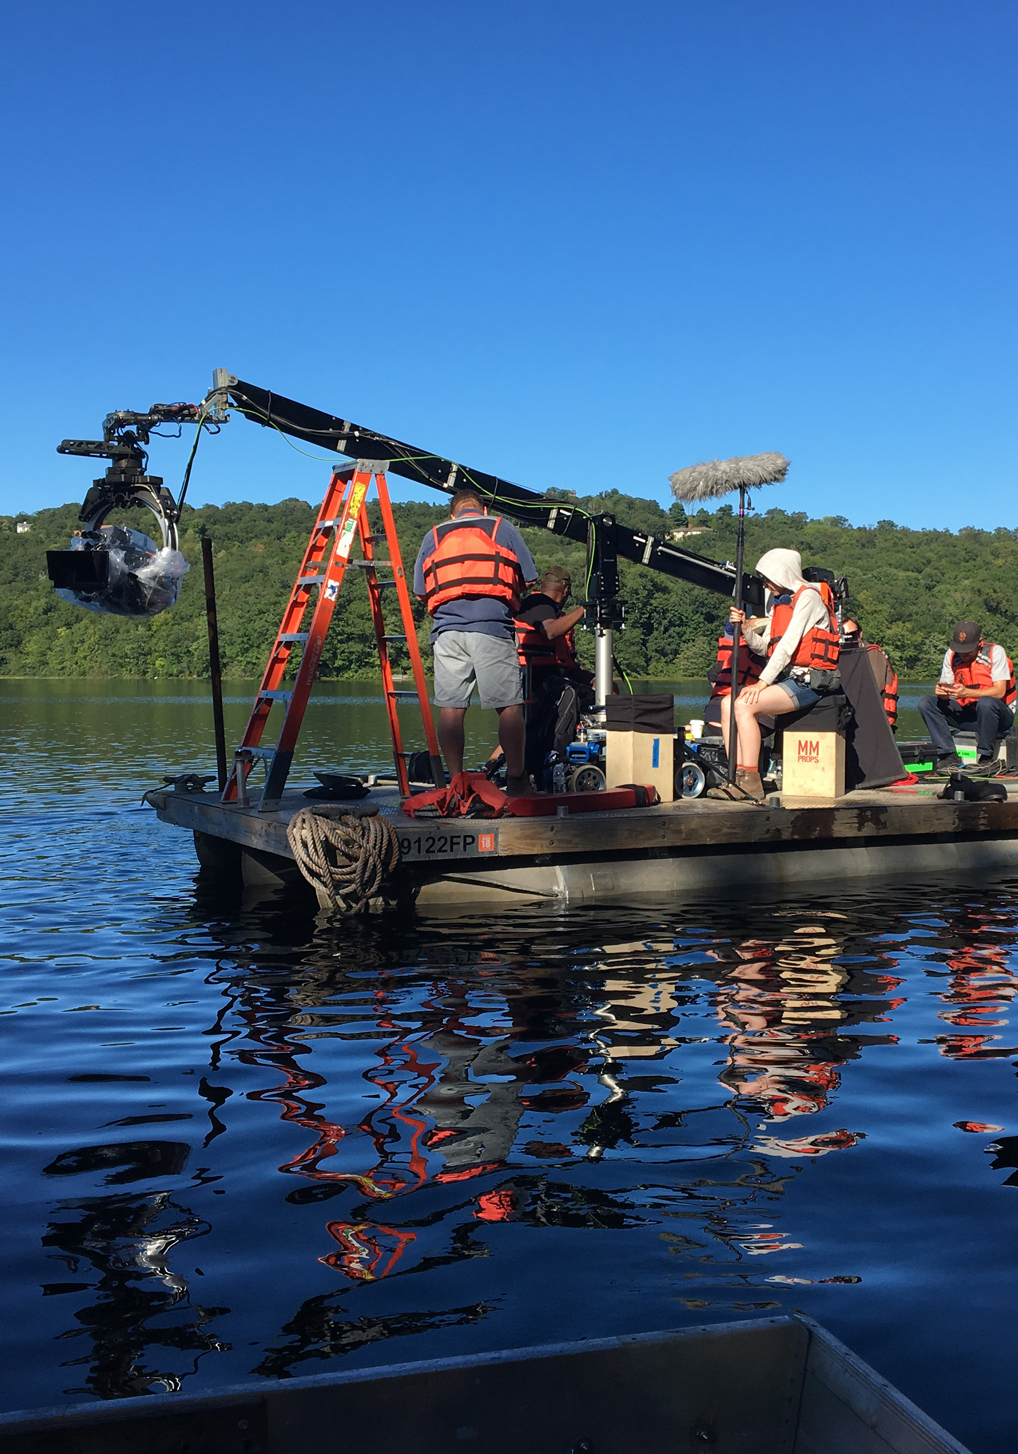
[
  {"x": 471, "y": 570},
  {"x": 801, "y": 642},
  {"x": 559, "y": 688},
  {"x": 976, "y": 686}
]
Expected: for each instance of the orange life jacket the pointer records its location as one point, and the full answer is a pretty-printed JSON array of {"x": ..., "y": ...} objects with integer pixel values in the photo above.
[
  {"x": 466, "y": 560},
  {"x": 750, "y": 667},
  {"x": 535, "y": 650},
  {"x": 820, "y": 646},
  {"x": 886, "y": 679},
  {"x": 976, "y": 672}
]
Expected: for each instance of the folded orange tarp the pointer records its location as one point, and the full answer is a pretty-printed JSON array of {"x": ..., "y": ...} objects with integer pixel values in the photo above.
[{"x": 471, "y": 795}]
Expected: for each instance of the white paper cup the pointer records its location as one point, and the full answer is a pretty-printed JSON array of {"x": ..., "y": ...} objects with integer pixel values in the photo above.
[{"x": 696, "y": 727}]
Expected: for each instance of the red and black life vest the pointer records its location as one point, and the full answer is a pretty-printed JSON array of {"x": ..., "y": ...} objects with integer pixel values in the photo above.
[
  {"x": 820, "y": 645},
  {"x": 467, "y": 560},
  {"x": 535, "y": 650},
  {"x": 977, "y": 671},
  {"x": 750, "y": 667}
]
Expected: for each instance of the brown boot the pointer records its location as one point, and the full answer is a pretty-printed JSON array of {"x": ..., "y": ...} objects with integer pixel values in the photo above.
[
  {"x": 748, "y": 779},
  {"x": 727, "y": 791}
]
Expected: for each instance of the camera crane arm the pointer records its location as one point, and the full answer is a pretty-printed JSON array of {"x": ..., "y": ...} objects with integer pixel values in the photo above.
[{"x": 609, "y": 539}]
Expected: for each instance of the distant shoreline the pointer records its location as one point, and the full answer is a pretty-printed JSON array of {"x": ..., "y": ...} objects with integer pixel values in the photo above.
[{"x": 239, "y": 681}]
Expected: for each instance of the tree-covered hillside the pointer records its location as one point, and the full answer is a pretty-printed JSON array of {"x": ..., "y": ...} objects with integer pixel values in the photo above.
[{"x": 908, "y": 587}]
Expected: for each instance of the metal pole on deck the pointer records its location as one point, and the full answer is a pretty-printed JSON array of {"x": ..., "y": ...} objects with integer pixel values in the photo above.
[
  {"x": 607, "y": 612},
  {"x": 733, "y": 733},
  {"x": 215, "y": 668},
  {"x": 604, "y": 644}
]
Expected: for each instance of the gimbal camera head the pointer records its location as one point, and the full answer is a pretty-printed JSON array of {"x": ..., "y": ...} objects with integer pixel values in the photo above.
[{"x": 125, "y": 483}]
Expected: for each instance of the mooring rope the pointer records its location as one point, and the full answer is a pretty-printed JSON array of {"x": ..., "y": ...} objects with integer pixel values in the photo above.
[{"x": 346, "y": 859}]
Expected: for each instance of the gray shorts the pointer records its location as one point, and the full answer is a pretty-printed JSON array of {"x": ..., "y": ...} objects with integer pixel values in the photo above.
[{"x": 463, "y": 658}]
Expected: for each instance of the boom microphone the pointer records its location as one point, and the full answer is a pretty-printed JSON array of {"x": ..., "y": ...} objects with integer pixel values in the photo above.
[{"x": 716, "y": 477}]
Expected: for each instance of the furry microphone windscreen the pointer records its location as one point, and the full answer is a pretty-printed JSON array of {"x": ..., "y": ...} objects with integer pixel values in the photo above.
[{"x": 721, "y": 476}]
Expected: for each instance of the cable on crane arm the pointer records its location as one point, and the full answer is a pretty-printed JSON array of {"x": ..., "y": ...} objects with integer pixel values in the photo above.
[
  {"x": 190, "y": 460},
  {"x": 357, "y": 442}
]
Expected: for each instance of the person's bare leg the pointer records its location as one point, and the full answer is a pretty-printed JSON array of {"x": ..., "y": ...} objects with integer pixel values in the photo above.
[
  {"x": 772, "y": 702},
  {"x": 512, "y": 738},
  {"x": 451, "y": 738}
]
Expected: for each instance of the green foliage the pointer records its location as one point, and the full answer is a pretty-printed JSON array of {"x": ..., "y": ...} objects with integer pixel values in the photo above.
[{"x": 908, "y": 588}]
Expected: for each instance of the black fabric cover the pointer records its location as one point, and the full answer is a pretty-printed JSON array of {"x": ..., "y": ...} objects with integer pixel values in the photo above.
[
  {"x": 872, "y": 759},
  {"x": 651, "y": 712}
]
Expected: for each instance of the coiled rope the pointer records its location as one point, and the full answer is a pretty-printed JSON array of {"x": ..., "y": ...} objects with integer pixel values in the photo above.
[{"x": 348, "y": 859}]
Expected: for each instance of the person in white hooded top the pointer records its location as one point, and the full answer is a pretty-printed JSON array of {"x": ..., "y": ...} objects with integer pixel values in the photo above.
[{"x": 783, "y": 686}]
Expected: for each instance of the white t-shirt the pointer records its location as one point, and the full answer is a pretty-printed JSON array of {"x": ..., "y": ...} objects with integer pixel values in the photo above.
[{"x": 998, "y": 663}]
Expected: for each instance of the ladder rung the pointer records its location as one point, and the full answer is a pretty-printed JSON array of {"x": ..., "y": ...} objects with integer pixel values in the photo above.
[
  {"x": 393, "y": 638},
  {"x": 382, "y": 584},
  {"x": 310, "y": 580},
  {"x": 365, "y": 564},
  {"x": 279, "y": 696},
  {"x": 259, "y": 751},
  {"x": 374, "y": 539},
  {"x": 292, "y": 636},
  {"x": 326, "y": 524},
  {"x": 405, "y": 696}
]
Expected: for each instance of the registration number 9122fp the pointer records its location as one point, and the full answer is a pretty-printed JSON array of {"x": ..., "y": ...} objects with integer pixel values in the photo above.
[{"x": 471, "y": 843}]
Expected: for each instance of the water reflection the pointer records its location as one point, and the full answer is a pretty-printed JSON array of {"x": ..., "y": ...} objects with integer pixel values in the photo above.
[
  {"x": 974, "y": 945},
  {"x": 497, "y": 1084},
  {"x": 141, "y": 1304},
  {"x": 478, "y": 1134}
]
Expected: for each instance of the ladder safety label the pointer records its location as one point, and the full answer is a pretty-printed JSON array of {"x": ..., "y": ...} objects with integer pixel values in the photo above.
[
  {"x": 417, "y": 846},
  {"x": 345, "y": 542}
]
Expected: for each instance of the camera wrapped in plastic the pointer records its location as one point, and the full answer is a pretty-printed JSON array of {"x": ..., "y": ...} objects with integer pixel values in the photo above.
[{"x": 118, "y": 572}]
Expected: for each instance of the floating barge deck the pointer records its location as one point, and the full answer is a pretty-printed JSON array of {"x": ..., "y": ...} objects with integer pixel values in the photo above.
[{"x": 686, "y": 847}]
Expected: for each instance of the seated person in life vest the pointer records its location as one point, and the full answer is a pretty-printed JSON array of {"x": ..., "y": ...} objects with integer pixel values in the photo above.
[
  {"x": 801, "y": 643},
  {"x": 471, "y": 570},
  {"x": 884, "y": 673},
  {"x": 720, "y": 678},
  {"x": 977, "y": 688},
  {"x": 559, "y": 689}
]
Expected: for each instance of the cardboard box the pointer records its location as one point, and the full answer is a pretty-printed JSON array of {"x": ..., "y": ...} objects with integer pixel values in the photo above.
[
  {"x": 812, "y": 763},
  {"x": 641, "y": 757}
]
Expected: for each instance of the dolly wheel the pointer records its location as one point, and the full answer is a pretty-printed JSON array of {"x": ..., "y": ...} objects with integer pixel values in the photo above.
[
  {"x": 690, "y": 780},
  {"x": 587, "y": 779}
]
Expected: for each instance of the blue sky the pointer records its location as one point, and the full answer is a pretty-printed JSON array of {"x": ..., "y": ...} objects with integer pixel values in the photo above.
[{"x": 577, "y": 244}]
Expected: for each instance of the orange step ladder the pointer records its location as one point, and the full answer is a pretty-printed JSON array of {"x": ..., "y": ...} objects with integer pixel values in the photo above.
[{"x": 342, "y": 519}]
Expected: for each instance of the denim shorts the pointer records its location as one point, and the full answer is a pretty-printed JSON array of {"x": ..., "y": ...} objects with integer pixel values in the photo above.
[
  {"x": 463, "y": 658},
  {"x": 801, "y": 694}
]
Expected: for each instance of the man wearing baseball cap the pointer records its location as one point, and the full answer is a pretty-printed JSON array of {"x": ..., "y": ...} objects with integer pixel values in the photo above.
[
  {"x": 976, "y": 688},
  {"x": 558, "y": 688}
]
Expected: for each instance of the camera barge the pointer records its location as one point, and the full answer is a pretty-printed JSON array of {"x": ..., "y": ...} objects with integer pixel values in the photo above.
[
  {"x": 588, "y": 849},
  {"x": 684, "y": 847}
]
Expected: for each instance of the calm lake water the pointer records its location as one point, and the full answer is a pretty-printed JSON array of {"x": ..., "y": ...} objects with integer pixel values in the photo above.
[{"x": 387, "y": 1141}]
